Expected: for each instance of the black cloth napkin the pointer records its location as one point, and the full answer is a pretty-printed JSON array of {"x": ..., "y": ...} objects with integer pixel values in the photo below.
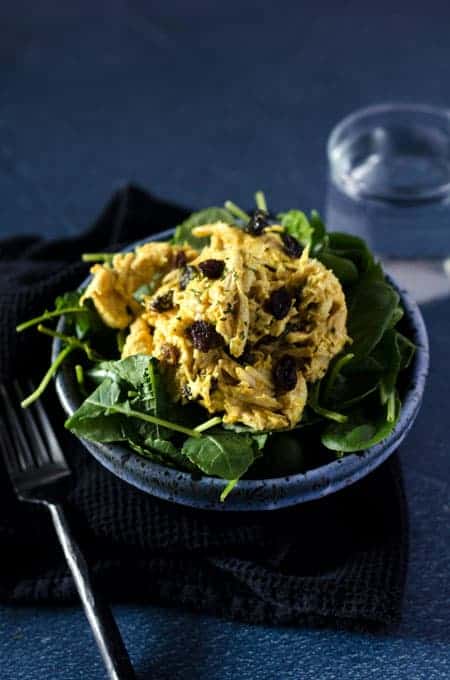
[{"x": 338, "y": 561}]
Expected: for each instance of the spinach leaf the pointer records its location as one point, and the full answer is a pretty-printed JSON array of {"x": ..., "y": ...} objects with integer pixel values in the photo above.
[
  {"x": 222, "y": 454},
  {"x": 397, "y": 315},
  {"x": 407, "y": 350},
  {"x": 363, "y": 429},
  {"x": 350, "y": 389},
  {"x": 283, "y": 455},
  {"x": 343, "y": 268},
  {"x": 370, "y": 312},
  {"x": 388, "y": 353},
  {"x": 351, "y": 247},
  {"x": 297, "y": 224},
  {"x": 183, "y": 233},
  {"x": 319, "y": 237}
]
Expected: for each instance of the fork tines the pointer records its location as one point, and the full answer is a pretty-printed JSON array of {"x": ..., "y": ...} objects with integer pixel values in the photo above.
[{"x": 30, "y": 449}]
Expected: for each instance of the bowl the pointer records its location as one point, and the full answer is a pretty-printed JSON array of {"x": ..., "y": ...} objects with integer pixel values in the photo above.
[{"x": 257, "y": 494}]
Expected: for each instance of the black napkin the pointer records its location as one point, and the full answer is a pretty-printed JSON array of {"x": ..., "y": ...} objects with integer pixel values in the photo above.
[{"x": 337, "y": 561}]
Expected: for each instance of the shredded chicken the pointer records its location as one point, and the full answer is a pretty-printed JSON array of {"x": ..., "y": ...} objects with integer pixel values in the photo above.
[{"x": 222, "y": 340}]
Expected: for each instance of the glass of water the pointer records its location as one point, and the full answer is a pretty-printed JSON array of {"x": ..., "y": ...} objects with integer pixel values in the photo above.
[{"x": 389, "y": 179}]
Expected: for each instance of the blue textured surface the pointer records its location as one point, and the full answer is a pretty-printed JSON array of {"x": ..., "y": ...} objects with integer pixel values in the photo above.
[{"x": 197, "y": 102}]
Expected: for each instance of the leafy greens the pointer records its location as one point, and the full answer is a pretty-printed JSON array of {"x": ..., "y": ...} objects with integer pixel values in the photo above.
[{"x": 353, "y": 407}]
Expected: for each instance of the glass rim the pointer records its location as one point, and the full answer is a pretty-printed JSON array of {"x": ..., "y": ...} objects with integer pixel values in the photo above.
[{"x": 345, "y": 123}]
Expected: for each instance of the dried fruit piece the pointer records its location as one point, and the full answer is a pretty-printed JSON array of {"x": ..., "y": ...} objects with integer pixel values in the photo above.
[
  {"x": 212, "y": 269},
  {"x": 258, "y": 221},
  {"x": 162, "y": 303},
  {"x": 284, "y": 374},
  {"x": 279, "y": 303},
  {"x": 180, "y": 259},
  {"x": 247, "y": 357},
  {"x": 204, "y": 336},
  {"x": 292, "y": 247}
]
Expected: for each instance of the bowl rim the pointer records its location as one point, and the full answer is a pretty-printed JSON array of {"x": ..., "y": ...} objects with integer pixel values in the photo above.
[{"x": 339, "y": 472}]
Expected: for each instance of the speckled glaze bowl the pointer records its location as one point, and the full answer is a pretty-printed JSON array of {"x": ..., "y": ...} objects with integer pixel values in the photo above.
[{"x": 264, "y": 494}]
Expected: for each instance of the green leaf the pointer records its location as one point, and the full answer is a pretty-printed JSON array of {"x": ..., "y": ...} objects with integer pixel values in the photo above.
[
  {"x": 297, "y": 224},
  {"x": 221, "y": 454},
  {"x": 343, "y": 268},
  {"x": 372, "y": 305},
  {"x": 183, "y": 233},
  {"x": 352, "y": 248},
  {"x": 319, "y": 237},
  {"x": 361, "y": 431},
  {"x": 84, "y": 323},
  {"x": 407, "y": 350},
  {"x": 283, "y": 455},
  {"x": 397, "y": 315},
  {"x": 388, "y": 353},
  {"x": 351, "y": 389}
]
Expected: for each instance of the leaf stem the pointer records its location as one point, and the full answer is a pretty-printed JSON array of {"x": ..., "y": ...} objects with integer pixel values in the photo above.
[
  {"x": 313, "y": 402},
  {"x": 72, "y": 341},
  {"x": 208, "y": 424},
  {"x": 156, "y": 421},
  {"x": 260, "y": 201},
  {"x": 98, "y": 257},
  {"x": 79, "y": 375},
  {"x": 237, "y": 211},
  {"x": 48, "y": 376},
  {"x": 48, "y": 315},
  {"x": 229, "y": 487},
  {"x": 390, "y": 411},
  {"x": 334, "y": 372}
]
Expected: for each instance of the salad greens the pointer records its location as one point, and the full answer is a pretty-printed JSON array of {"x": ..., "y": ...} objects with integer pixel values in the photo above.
[{"x": 354, "y": 406}]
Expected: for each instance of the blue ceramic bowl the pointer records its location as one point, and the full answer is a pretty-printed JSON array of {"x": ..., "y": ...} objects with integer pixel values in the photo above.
[{"x": 255, "y": 494}]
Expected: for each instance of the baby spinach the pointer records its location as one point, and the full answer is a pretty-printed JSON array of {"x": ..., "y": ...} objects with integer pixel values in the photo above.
[
  {"x": 183, "y": 233},
  {"x": 319, "y": 237},
  {"x": 343, "y": 268},
  {"x": 222, "y": 454},
  {"x": 407, "y": 350},
  {"x": 352, "y": 248},
  {"x": 364, "y": 428},
  {"x": 370, "y": 312},
  {"x": 297, "y": 224}
]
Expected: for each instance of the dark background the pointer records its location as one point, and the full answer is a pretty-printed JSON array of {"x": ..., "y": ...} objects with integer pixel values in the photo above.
[{"x": 200, "y": 102}]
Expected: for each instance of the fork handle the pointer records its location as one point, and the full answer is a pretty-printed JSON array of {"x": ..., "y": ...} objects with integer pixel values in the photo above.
[{"x": 98, "y": 613}]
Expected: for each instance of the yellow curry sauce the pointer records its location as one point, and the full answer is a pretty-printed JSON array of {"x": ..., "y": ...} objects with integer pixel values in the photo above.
[{"x": 241, "y": 327}]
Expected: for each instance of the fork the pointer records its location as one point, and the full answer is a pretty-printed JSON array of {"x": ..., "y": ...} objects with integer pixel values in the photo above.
[{"x": 40, "y": 474}]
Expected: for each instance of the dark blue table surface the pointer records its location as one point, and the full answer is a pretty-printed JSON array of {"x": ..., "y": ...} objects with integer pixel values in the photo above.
[{"x": 200, "y": 102}]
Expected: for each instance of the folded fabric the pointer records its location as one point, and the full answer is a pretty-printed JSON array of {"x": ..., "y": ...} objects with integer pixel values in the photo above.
[{"x": 338, "y": 561}]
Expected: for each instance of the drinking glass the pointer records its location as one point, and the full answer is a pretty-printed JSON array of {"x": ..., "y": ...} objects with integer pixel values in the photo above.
[{"x": 389, "y": 179}]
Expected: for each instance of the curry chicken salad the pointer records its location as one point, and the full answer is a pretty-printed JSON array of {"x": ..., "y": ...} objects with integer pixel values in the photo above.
[{"x": 246, "y": 343}]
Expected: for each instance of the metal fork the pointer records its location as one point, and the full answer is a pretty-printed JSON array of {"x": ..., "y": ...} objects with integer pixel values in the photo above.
[{"x": 40, "y": 474}]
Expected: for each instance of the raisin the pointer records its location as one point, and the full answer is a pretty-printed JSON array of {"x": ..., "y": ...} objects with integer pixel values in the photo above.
[
  {"x": 258, "y": 221},
  {"x": 279, "y": 303},
  {"x": 204, "y": 336},
  {"x": 291, "y": 246},
  {"x": 247, "y": 357},
  {"x": 284, "y": 374},
  {"x": 162, "y": 303},
  {"x": 212, "y": 269},
  {"x": 187, "y": 273},
  {"x": 180, "y": 259}
]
